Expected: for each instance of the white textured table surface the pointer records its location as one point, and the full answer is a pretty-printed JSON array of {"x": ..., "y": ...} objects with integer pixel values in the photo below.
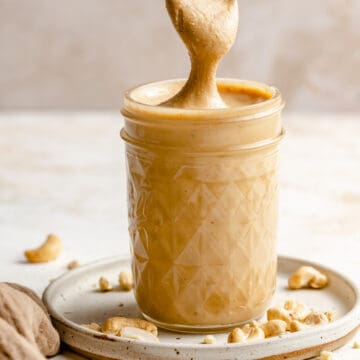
[{"x": 65, "y": 173}]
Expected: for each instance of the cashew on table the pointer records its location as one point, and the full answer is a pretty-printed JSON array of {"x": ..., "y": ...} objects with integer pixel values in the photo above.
[{"x": 48, "y": 251}]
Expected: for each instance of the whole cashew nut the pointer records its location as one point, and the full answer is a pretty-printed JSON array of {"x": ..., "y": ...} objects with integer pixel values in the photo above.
[
  {"x": 307, "y": 277},
  {"x": 48, "y": 251}
]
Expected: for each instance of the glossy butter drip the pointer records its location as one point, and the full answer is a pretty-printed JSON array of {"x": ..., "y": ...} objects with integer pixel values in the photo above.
[{"x": 208, "y": 28}]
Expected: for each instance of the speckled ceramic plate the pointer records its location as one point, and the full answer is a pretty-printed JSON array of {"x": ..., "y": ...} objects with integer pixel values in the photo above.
[{"x": 73, "y": 300}]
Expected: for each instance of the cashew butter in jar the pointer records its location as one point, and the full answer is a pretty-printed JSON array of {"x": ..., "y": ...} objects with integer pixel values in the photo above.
[{"x": 203, "y": 194}]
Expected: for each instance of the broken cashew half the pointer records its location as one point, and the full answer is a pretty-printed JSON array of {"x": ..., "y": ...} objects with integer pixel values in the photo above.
[
  {"x": 135, "y": 329},
  {"x": 115, "y": 325},
  {"x": 248, "y": 332},
  {"x": 296, "y": 326},
  {"x": 274, "y": 328},
  {"x": 48, "y": 251},
  {"x": 297, "y": 316},
  {"x": 291, "y": 311},
  {"x": 126, "y": 281},
  {"x": 105, "y": 284},
  {"x": 73, "y": 265},
  {"x": 236, "y": 336},
  {"x": 92, "y": 326},
  {"x": 138, "y": 334},
  {"x": 209, "y": 340},
  {"x": 326, "y": 355},
  {"x": 316, "y": 318}
]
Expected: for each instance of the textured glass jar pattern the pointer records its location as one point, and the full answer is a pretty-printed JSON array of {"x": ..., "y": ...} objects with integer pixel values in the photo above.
[
  {"x": 203, "y": 232},
  {"x": 203, "y": 217}
]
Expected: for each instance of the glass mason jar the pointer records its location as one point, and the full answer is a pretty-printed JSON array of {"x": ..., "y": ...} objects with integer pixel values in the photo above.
[{"x": 203, "y": 206}]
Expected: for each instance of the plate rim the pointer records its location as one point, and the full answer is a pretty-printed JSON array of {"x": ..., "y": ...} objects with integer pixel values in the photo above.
[{"x": 354, "y": 312}]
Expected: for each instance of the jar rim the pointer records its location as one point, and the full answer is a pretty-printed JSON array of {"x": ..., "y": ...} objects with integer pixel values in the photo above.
[
  {"x": 210, "y": 151},
  {"x": 137, "y": 110}
]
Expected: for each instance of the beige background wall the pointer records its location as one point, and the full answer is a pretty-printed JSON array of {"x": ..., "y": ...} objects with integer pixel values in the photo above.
[{"x": 81, "y": 54}]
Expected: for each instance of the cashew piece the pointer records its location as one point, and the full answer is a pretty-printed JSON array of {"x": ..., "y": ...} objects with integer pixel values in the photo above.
[
  {"x": 278, "y": 313},
  {"x": 296, "y": 326},
  {"x": 296, "y": 316},
  {"x": 253, "y": 331},
  {"x": 326, "y": 355},
  {"x": 115, "y": 325},
  {"x": 290, "y": 312},
  {"x": 209, "y": 339},
  {"x": 307, "y": 277},
  {"x": 130, "y": 332},
  {"x": 274, "y": 328},
  {"x": 138, "y": 334},
  {"x": 329, "y": 315},
  {"x": 73, "y": 264},
  {"x": 248, "y": 332},
  {"x": 297, "y": 310},
  {"x": 104, "y": 284},
  {"x": 126, "y": 281},
  {"x": 48, "y": 251},
  {"x": 92, "y": 326},
  {"x": 316, "y": 318},
  {"x": 236, "y": 336}
]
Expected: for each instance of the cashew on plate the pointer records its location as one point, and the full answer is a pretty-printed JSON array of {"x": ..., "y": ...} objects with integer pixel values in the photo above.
[
  {"x": 126, "y": 281},
  {"x": 248, "y": 332},
  {"x": 105, "y": 285},
  {"x": 114, "y": 325},
  {"x": 136, "y": 329},
  {"x": 307, "y": 277}
]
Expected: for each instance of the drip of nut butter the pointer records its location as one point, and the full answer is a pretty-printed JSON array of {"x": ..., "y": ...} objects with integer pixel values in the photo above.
[{"x": 208, "y": 28}]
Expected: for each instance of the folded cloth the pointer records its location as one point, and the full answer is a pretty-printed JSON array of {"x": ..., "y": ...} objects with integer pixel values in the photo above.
[
  {"x": 26, "y": 331},
  {"x": 15, "y": 346}
]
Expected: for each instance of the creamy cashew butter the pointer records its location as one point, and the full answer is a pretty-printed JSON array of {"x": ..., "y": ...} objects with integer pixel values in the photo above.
[
  {"x": 202, "y": 158},
  {"x": 208, "y": 29}
]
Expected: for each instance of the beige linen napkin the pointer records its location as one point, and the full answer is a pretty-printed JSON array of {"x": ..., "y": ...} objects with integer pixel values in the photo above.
[{"x": 26, "y": 331}]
